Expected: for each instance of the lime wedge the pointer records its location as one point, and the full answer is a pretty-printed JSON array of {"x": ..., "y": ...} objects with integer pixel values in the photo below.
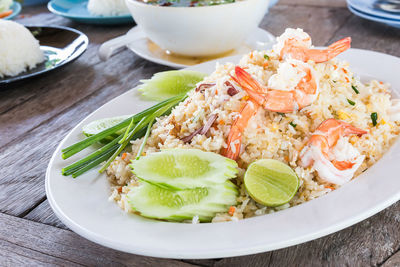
[
  {"x": 167, "y": 84},
  {"x": 271, "y": 182},
  {"x": 98, "y": 126}
]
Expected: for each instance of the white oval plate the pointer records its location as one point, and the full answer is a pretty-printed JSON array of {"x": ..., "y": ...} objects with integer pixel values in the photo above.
[{"x": 82, "y": 203}]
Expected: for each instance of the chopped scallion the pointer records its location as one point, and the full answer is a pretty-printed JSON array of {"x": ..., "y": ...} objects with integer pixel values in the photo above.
[
  {"x": 293, "y": 124},
  {"x": 351, "y": 102},
  {"x": 355, "y": 89},
  {"x": 266, "y": 57},
  {"x": 374, "y": 118}
]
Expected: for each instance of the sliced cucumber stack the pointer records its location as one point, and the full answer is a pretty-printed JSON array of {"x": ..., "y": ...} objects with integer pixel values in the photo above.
[
  {"x": 178, "y": 184},
  {"x": 184, "y": 168},
  {"x": 176, "y": 205}
]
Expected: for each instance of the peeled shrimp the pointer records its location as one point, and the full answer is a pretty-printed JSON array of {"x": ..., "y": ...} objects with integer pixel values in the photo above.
[
  {"x": 330, "y": 154},
  {"x": 284, "y": 94},
  {"x": 296, "y": 44},
  {"x": 234, "y": 140}
]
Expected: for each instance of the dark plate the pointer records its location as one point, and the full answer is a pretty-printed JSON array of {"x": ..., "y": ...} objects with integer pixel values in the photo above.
[{"x": 61, "y": 45}]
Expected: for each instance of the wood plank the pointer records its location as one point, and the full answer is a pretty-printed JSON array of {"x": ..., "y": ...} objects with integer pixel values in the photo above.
[
  {"x": 13, "y": 255},
  {"x": 367, "y": 243},
  {"x": 320, "y": 3},
  {"x": 329, "y": 20},
  {"x": 370, "y": 35},
  {"x": 44, "y": 214},
  {"x": 394, "y": 260},
  {"x": 22, "y": 239}
]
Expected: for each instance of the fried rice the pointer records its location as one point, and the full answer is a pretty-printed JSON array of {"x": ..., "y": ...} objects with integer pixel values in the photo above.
[{"x": 269, "y": 134}]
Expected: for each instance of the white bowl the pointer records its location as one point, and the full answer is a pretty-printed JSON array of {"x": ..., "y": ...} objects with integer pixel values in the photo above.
[{"x": 198, "y": 31}]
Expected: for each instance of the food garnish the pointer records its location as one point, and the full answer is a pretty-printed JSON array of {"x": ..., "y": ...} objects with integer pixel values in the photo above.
[
  {"x": 184, "y": 168},
  {"x": 111, "y": 150},
  {"x": 355, "y": 89},
  {"x": 178, "y": 184},
  {"x": 271, "y": 182},
  {"x": 351, "y": 102},
  {"x": 157, "y": 202},
  {"x": 374, "y": 118},
  {"x": 166, "y": 84}
]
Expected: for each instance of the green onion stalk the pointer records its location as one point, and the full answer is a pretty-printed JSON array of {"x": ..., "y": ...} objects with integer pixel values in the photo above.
[{"x": 134, "y": 127}]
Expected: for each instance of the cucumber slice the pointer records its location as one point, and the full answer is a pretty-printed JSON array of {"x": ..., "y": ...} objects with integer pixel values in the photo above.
[
  {"x": 184, "y": 168},
  {"x": 177, "y": 205},
  {"x": 98, "y": 126},
  {"x": 167, "y": 84}
]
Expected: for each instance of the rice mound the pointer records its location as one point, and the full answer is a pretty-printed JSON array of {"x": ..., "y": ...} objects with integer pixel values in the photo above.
[
  {"x": 107, "y": 7},
  {"x": 269, "y": 134},
  {"x": 19, "y": 50}
]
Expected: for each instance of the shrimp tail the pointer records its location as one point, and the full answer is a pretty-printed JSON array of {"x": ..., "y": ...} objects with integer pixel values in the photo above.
[
  {"x": 349, "y": 129},
  {"x": 343, "y": 165},
  {"x": 255, "y": 90},
  {"x": 339, "y": 47}
]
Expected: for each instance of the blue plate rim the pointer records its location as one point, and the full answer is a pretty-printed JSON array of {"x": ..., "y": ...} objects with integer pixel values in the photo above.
[
  {"x": 365, "y": 8},
  {"x": 73, "y": 58},
  {"x": 92, "y": 17},
  {"x": 373, "y": 18},
  {"x": 16, "y": 8}
]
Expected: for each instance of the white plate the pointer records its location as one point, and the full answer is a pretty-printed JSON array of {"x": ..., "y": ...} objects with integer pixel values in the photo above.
[
  {"x": 82, "y": 203},
  {"x": 258, "y": 40}
]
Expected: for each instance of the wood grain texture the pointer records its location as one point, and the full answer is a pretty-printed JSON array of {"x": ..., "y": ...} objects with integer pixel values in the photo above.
[
  {"x": 319, "y": 3},
  {"x": 44, "y": 214},
  {"x": 394, "y": 260},
  {"x": 22, "y": 240}
]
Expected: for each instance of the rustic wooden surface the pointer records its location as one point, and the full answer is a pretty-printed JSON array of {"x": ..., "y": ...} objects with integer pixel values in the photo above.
[{"x": 36, "y": 115}]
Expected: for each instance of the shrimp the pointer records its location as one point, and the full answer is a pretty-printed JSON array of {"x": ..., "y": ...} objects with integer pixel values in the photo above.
[
  {"x": 294, "y": 87},
  {"x": 296, "y": 44},
  {"x": 330, "y": 154},
  {"x": 234, "y": 140}
]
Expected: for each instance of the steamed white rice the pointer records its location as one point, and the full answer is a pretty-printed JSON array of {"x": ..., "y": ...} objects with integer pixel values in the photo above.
[
  {"x": 107, "y": 7},
  {"x": 19, "y": 50},
  {"x": 270, "y": 134}
]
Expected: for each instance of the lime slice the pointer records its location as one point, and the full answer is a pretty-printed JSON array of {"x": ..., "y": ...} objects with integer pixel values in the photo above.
[
  {"x": 98, "y": 126},
  {"x": 271, "y": 182},
  {"x": 167, "y": 84}
]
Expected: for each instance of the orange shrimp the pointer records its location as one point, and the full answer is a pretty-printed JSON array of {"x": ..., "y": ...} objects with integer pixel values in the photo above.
[
  {"x": 234, "y": 139},
  {"x": 296, "y": 44},
  {"x": 296, "y": 50},
  {"x": 302, "y": 95},
  {"x": 335, "y": 163}
]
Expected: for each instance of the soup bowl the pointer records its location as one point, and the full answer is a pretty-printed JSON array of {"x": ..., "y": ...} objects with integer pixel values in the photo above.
[{"x": 198, "y": 31}]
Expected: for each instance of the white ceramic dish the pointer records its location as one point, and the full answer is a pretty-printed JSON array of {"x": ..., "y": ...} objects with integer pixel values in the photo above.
[
  {"x": 82, "y": 203},
  {"x": 137, "y": 41},
  {"x": 198, "y": 31}
]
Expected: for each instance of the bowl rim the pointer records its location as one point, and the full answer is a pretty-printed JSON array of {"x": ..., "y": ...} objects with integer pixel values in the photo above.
[{"x": 238, "y": 3}]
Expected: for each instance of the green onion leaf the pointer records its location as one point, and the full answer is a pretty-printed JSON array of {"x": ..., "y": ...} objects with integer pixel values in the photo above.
[
  {"x": 374, "y": 118},
  {"x": 282, "y": 114},
  {"x": 351, "y": 102},
  {"x": 293, "y": 124},
  {"x": 266, "y": 57},
  {"x": 355, "y": 89}
]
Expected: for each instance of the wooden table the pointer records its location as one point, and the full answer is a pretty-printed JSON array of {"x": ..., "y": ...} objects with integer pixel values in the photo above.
[{"x": 36, "y": 115}]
